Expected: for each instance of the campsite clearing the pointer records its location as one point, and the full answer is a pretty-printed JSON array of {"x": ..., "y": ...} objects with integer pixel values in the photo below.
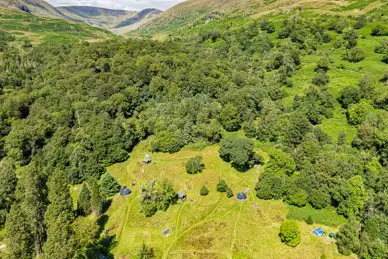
[{"x": 211, "y": 226}]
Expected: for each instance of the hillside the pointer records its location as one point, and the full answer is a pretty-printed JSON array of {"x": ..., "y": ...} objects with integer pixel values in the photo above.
[
  {"x": 36, "y": 7},
  {"x": 194, "y": 12},
  {"x": 107, "y": 18},
  {"x": 36, "y": 30},
  {"x": 95, "y": 16}
]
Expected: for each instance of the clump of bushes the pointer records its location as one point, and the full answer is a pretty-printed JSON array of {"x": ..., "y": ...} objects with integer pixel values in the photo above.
[
  {"x": 290, "y": 233},
  {"x": 354, "y": 55},
  {"x": 195, "y": 165},
  {"x": 222, "y": 186},
  {"x": 204, "y": 191},
  {"x": 239, "y": 151}
]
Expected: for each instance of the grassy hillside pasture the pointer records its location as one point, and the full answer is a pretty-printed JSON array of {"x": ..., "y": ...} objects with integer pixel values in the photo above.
[
  {"x": 27, "y": 27},
  {"x": 210, "y": 226}
]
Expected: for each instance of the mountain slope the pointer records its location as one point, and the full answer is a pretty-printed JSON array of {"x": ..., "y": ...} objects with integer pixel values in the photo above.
[
  {"x": 36, "y": 7},
  {"x": 43, "y": 30},
  {"x": 100, "y": 17},
  {"x": 194, "y": 11},
  {"x": 96, "y": 16}
]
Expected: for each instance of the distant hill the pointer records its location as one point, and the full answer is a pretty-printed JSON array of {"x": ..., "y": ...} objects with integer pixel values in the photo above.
[
  {"x": 100, "y": 17},
  {"x": 95, "y": 16},
  {"x": 192, "y": 12}
]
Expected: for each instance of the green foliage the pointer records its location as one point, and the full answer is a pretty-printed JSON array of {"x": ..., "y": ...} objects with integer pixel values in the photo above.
[
  {"x": 222, "y": 186},
  {"x": 108, "y": 185},
  {"x": 290, "y": 233},
  {"x": 348, "y": 237},
  {"x": 156, "y": 196},
  {"x": 229, "y": 193},
  {"x": 354, "y": 55},
  {"x": 379, "y": 30},
  {"x": 349, "y": 95},
  {"x": 310, "y": 220},
  {"x": 357, "y": 112},
  {"x": 238, "y": 151},
  {"x": 8, "y": 181},
  {"x": 85, "y": 233},
  {"x": 351, "y": 197},
  {"x": 319, "y": 198},
  {"x": 195, "y": 165},
  {"x": 297, "y": 197},
  {"x": 204, "y": 191},
  {"x": 281, "y": 163},
  {"x": 59, "y": 218},
  {"x": 145, "y": 252},
  {"x": 230, "y": 118},
  {"x": 83, "y": 203}
]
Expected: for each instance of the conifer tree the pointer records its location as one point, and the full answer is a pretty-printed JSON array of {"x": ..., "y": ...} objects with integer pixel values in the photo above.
[
  {"x": 84, "y": 201},
  {"x": 108, "y": 185},
  {"x": 59, "y": 217},
  {"x": 96, "y": 199}
]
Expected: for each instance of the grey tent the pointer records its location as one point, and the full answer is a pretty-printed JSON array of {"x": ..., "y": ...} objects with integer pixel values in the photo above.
[
  {"x": 182, "y": 195},
  {"x": 147, "y": 159}
]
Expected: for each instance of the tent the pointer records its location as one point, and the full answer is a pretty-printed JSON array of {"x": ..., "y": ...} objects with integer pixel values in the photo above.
[
  {"x": 125, "y": 192},
  {"x": 147, "y": 159},
  {"x": 319, "y": 232},
  {"x": 332, "y": 235},
  {"x": 182, "y": 195},
  {"x": 241, "y": 196}
]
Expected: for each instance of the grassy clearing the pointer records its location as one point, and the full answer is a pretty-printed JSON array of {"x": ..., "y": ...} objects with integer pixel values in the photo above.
[
  {"x": 327, "y": 216},
  {"x": 203, "y": 227}
]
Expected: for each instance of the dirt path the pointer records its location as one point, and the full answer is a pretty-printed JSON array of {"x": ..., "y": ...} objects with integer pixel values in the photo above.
[{"x": 235, "y": 231}]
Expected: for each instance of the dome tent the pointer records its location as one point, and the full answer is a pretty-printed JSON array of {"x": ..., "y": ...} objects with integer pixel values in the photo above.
[{"x": 241, "y": 196}]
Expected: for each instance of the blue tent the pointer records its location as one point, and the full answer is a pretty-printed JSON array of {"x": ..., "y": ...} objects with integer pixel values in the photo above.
[
  {"x": 241, "y": 196},
  {"x": 319, "y": 232},
  {"x": 125, "y": 192}
]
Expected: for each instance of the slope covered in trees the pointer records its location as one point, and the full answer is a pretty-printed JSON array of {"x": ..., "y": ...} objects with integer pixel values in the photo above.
[{"x": 313, "y": 88}]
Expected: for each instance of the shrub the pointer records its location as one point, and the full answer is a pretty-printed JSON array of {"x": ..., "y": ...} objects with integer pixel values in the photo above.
[
  {"x": 309, "y": 220},
  {"x": 378, "y": 30},
  {"x": 222, "y": 186},
  {"x": 321, "y": 79},
  {"x": 354, "y": 55},
  {"x": 290, "y": 233},
  {"x": 382, "y": 47},
  {"x": 195, "y": 165},
  {"x": 349, "y": 95},
  {"x": 108, "y": 185},
  {"x": 229, "y": 193},
  {"x": 204, "y": 191}
]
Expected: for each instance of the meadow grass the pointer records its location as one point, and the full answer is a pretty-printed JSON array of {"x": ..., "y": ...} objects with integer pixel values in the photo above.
[
  {"x": 210, "y": 226},
  {"x": 327, "y": 216}
]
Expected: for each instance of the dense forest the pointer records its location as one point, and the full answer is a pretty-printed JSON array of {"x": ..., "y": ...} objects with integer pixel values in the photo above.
[{"x": 68, "y": 112}]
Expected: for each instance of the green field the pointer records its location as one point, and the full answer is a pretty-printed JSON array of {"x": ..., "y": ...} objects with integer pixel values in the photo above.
[
  {"x": 27, "y": 27},
  {"x": 204, "y": 227}
]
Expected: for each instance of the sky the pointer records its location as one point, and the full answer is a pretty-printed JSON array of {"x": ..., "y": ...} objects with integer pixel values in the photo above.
[{"x": 120, "y": 4}]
